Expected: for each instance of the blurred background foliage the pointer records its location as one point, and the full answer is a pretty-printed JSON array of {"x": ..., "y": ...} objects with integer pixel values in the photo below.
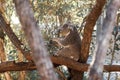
[{"x": 50, "y": 15}]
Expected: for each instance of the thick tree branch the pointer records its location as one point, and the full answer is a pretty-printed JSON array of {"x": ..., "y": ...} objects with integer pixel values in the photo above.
[
  {"x": 16, "y": 42},
  {"x": 31, "y": 29},
  {"x": 89, "y": 25},
  {"x": 88, "y": 29},
  {"x": 20, "y": 66}
]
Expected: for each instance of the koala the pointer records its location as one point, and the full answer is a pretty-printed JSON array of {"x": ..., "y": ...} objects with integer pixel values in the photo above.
[{"x": 70, "y": 42}]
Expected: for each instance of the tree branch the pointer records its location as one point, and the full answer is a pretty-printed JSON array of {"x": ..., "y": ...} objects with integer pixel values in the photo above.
[
  {"x": 13, "y": 66},
  {"x": 20, "y": 66},
  {"x": 89, "y": 25},
  {"x": 16, "y": 42}
]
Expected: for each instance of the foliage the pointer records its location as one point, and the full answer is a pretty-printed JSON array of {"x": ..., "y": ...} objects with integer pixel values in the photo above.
[{"x": 50, "y": 14}]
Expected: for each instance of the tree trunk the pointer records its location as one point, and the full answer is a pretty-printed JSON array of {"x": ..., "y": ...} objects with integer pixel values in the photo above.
[
  {"x": 96, "y": 67},
  {"x": 31, "y": 29}
]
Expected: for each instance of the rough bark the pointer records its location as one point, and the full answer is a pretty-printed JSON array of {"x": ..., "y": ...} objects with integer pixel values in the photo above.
[
  {"x": 90, "y": 22},
  {"x": 89, "y": 25},
  {"x": 21, "y": 66},
  {"x": 79, "y": 66},
  {"x": 31, "y": 29},
  {"x": 12, "y": 66},
  {"x": 96, "y": 68},
  {"x": 16, "y": 42},
  {"x": 87, "y": 39},
  {"x": 2, "y": 51}
]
